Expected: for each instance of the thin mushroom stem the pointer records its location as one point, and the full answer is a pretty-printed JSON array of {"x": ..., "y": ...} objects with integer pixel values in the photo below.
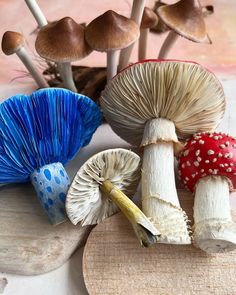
[
  {"x": 159, "y": 196},
  {"x": 111, "y": 64},
  {"x": 142, "y": 49},
  {"x": 214, "y": 229},
  {"x": 136, "y": 15},
  {"x": 25, "y": 58},
  {"x": 144, "y": 229},
  {"x": 67, "y": 76},
  {"x": 37, "y": 12},
  {"x": 167, "y": 44}
]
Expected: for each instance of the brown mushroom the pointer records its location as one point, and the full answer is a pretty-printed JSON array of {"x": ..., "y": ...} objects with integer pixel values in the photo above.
[
  {"x": 110, "y": 32},
  {"x": 149, "y": 20},
  {"x": 63, "y": 42},
  {"x": 13, "y": 42},
  {"x": 184, "y": 18}
]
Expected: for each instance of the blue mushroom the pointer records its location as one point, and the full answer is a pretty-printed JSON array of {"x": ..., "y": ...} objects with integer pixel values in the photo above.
[{"x": 39, "y": 134}]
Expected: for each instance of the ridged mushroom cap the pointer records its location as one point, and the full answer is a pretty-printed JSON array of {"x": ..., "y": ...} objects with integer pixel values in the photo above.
[
  {"x": 85, "y": 201},
  {"x": 183, "y": 92},
  {"x": 62, "y": 41},
  {"x": 185, "y": 18},
  {"x": 12, "y": 42},
  {"x": 111, "y": 31},
  {"x": 149, "y": 18}
]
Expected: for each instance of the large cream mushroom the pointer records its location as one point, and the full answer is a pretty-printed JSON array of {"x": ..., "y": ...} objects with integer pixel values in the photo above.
[
  {"x": 14, "y": 43},
  {"x": 184, "y": 18},
  {"x": 63, "y": 42},
  {"x": 100, "y": 187},
  {"x": 151, "y": 104},
  {"x": 109, "y": 33}
]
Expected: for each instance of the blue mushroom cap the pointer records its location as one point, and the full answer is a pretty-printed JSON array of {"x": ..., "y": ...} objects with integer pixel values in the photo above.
[{"x": 49, "y": 126}]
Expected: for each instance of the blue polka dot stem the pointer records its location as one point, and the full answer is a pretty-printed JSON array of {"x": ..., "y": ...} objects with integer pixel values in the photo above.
[{"x": 51, "y": 183}]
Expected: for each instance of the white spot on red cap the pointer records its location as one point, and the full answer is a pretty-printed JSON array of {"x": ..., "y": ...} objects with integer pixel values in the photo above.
[
  {"x": 186, "y": 153},
  {"x": 199, "y": 159},
  {"x": 222, "y": 146},
  {"x": 197, "y": 153},
  {"x": 220, "y": 155},
  {"x": 201, "y": 141},
  {"x": 207, "y": 161},
  {"x": 229, "y": 170},
  {"x": 196, "y": 163},
  {"x": 214, "y": 160},
  {"x": 210, "y": 152}
]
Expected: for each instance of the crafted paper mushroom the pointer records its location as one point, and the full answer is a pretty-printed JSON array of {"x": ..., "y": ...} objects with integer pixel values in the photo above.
[
  {"x": 109, "y": 33},
  {"x": 39, "y": 134},
  {"x": 149, "y": 20},
  {"x": 207, "y": 166},
  {"x": 14, "y": 43},
  {"x": 100, "y": 187},
  {"x": 184, "y": 18},
  {"x": 63, "y": 42},
  {"x": 150, "y": 105}
]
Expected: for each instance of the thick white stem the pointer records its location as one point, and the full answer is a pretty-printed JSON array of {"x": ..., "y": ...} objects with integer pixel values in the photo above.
[
  {"x": 37, "y": 12},
  {"x": 214, "y": 229},
  {"x": 111, "y": 64},
  {"x": 35, "y": 73},
  {"x": 159, "y": 196},
  {"x": 168, "y": 43},
  {"x": 136, "y": 15},
  {"x": 142, "y": 48},
  {"x": 67, "y": 76}
]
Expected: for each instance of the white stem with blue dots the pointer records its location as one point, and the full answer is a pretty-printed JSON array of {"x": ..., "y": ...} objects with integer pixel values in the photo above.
[{"x": 51, "y": 183}]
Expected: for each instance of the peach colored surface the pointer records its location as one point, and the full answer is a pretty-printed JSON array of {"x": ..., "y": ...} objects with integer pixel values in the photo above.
[{"x": 14, "y": 15}]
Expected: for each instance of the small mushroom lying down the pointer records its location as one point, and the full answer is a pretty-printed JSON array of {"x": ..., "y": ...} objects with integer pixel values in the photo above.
[
  {"x": 207, "y": 165},
  {"x": 38, "y": 135},
  {"x": 151, "y": 104},
  {"x": 99, "y": 189}
]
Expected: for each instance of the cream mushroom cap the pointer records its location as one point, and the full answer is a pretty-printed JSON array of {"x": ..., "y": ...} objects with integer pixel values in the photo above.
[
  {"x": 85, "y": 201},
  {"x": 179, "y": 91}
]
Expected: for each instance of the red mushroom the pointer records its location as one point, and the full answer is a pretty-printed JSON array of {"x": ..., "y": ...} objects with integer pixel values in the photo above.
[{"x": 207, "y": 165}]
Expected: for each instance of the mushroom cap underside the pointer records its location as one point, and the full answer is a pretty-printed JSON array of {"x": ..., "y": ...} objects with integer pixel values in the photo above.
[
  {"x": 111, "y": 31},
  {"x": 62, "y": 41},
  {"x": 208, "y": 154},
  {"x": 85, "y": 201},
  {"x": 185, "y": 18},
  {"x": 182, "y": 92}
]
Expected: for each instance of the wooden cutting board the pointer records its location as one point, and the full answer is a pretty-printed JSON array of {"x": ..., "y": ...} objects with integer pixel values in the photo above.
[
  {"x": 29, "y": 244},
  {"x": 115, "y": 264}
]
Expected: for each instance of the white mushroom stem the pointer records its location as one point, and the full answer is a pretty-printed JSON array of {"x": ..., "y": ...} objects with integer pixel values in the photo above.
[
  {"x": 167, "y": 44},
  {"x": 67, "y": 75},
  {"x": 214, "y": 229},
  {"x": 37, "y": 12},
  {"x": 142, "y": 48},
  {"x": 144, "y": 229},
  {"x": 27, "y": 61},
  {"x": 111, "y": 64},
  {"x": 159, "y": 196},
  {"x": 136, "y": 15}
]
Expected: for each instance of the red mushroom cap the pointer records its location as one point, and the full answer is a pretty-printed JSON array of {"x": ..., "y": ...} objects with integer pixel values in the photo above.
[{"x": 208, "y": 154}]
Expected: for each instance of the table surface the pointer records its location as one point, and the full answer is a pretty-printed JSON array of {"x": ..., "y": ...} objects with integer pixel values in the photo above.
[{"x": 220, "y": 57}]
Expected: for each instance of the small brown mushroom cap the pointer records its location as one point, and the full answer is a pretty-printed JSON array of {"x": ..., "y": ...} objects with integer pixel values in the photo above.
[
  {"x": 185, "y": 18},
  {"x": 12, "y": 42},
  {"x": 62, "y": 41},
  {"x": 149, "y": 19},
  {"x": 111, "y": 31}
]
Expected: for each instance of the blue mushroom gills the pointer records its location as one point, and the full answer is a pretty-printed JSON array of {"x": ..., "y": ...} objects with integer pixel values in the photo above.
[{"x": 39, "y": 134}]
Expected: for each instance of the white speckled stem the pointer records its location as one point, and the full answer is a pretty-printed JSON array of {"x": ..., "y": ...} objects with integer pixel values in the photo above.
[
  {"x": 27, "y": 61},
  {"x": 37, "y": 12},
  {"x": 136, "y": 15},
  {"x": 142, "y": 48},
  {"x": 67, "y": 76},
  {"x": 214, "y": 229},
  {"x": 159, "y": 196},
  {"x": 167, "y": 44}
]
